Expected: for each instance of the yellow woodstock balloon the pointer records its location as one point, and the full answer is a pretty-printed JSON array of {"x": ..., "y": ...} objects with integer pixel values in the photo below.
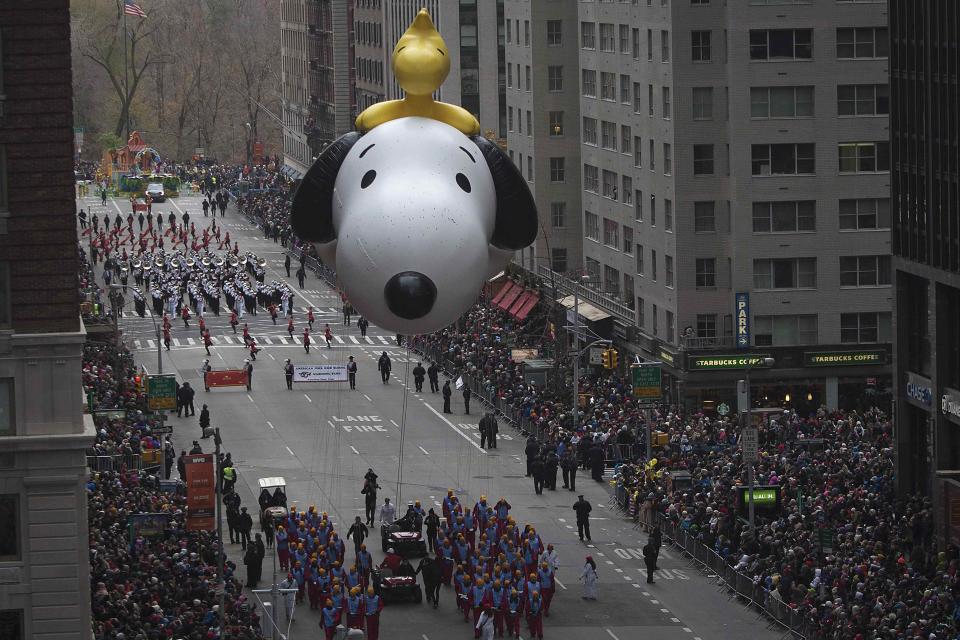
[{"x": 420, "y": 63}]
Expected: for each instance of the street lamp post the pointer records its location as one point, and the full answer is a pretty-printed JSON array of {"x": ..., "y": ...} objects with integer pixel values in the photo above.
[
  {"x": 576, "y": 349},
  {"x": 766, "y": 362}
]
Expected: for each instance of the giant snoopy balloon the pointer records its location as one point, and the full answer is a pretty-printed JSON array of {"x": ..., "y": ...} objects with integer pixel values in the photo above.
[{"x": 414, "y": 209}]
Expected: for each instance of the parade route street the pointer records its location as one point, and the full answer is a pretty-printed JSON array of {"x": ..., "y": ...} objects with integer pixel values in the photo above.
[{"x": 322, "y": 438}]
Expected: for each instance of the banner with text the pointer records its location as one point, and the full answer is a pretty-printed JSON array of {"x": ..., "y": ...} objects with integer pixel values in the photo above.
[
  {"x": 319, "y": 373},
  {"x": 743, "y": 320},
  {"x": 201, "y": 492},
  {"x": 227, "y": 378}
]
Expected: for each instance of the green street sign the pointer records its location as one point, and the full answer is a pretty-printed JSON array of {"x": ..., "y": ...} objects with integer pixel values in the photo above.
[
  {"x": 647, "y": 382},
  {"x": 825, "y": 538},
  {"x": 161, "y": 392}
]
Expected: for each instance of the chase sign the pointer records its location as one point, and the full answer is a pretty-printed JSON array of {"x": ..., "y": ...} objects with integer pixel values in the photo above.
[{"x": 919, "y": 391}]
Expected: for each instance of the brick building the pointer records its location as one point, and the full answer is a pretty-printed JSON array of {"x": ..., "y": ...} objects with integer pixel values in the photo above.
[{"x": 44, "y": 573}]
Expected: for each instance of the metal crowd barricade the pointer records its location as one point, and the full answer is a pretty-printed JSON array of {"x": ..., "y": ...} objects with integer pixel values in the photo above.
[{"x": 132, "y": 461}]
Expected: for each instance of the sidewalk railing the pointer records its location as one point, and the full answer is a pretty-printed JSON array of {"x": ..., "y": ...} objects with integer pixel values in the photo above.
[{"x": 129, "y": 461}]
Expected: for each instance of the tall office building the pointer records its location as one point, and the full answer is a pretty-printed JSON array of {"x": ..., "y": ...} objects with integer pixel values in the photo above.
[
  {"x": 473, "y": 32},
  {"x": 735, "y": 166},
  {"x": 543, "y": 124},
  {"x": 44, "y": 568},
  {"x": 925, "y": 115},
  {"x": 318, "y": 78}
]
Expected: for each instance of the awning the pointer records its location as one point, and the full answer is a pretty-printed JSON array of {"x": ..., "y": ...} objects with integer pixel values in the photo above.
[
  {"x": 507, "y": 300},
  {"x": 290, "y": 172},
  {"x": 519, "y": 302},
  {"x": 586, "y": 309},
  {"x": 503, "y": 291},
  {"x": 528, "y": 306}
]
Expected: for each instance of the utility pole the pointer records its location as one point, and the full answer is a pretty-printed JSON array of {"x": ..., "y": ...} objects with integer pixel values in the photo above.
[
  {"x": 221, "y": 560},
  {"x": 126, "y": 83},
  {"x": 750, "y": 436},
  {"x": 576, "y": 355}
]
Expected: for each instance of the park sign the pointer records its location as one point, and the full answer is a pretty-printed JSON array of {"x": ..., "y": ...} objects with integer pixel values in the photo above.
[
  {"x": 647, "y": 382},
  {"x": 844, "y": 358},
  {"x": 727, "y": 361},
  {"x": 161, "y": 392}
]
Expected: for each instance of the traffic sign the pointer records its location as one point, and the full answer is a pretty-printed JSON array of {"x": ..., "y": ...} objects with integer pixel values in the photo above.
[
  {"x": 723, "y": 409},
  {"x": 596, "y": 355},
  {"x": 647, "y": 382},
  {"x": 161, "y": 392},
  {"x": 750, "y": 442}
]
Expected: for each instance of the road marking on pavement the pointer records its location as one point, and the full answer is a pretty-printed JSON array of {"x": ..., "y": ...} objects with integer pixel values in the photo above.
[
  {"x": 394, "y": 423},
  {"x": 664, "y": 610},
  {"x": 271, "y": 356},
  {"x": 354, "y": 340},
  {"x": 383, "y": 340},
  {"x": 291, "y": 451},
  {"x": 249, "y": 397},
  {"x": 688, "y": 629},
  {"x": 451, "y": 425},
  {"x": 338, "y": 339},
  {"x": 653, "y": 601},
  {"x": 627, "y": 578},
  {"x": 367, "y": 397},
  {"x": 270, "y": 424},
  {"x": 646, "y": 593},
  {"x": 368, "y": 339},
  {"x": 425, "y": 452},
  {"x": 354, "y": 449},
  {"x": 176, "y": 342},
  {"x": 332, "y": 426},
  {"x": 636, "y": 585},
  {"x": 307, "y": 397},
  {"x": 675, "y": 620},
  {"x": 560, "y": 584},
  {"x": 561, "y": 519},
  {"x": 611, "y": 634}
]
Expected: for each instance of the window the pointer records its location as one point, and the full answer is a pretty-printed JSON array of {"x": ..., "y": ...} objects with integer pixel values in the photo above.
[
  {"x": 611, "y": 281},
  {"x": 706, "y": 273},
  {"x": 640, "y": 259},
  {"x": 653, "y": 265},
  {"x": 611, "y": 233},
  {"x": 526, "y": 71},
  {"x": 703, "y": 103},
  {"x": 781, "y": 102},
  {"x": 864, "y": 327},
  {"x": 627, "y": 189},
  {"x": 655, "y": 314},
  {"x": 589, "y": 81},
  {"x": 784, "y": 217},
  {"x": 650, "y": 45},
  {"x": 653, "y": 210},
  {"x": 667, "y": 159},
  {"x": 653, "y": 158},
  {"x": 628, "y": 240},
  {"x": 706, "y": 325},
  {"x": 558, "y": 169},
  {"x": 589, "y": 131},
  {"x": 608, "y": 135},
  {"x": 554, "y": 77},
  {"x": 635, "y": 43},
  {"x": 667, "y": 107},
  {"x": 637, "y": 93},
  {"x": 591, "y": 178},
  {"x": 625, "y": 89},
  {"x": 626, "y": 135},
  {"x": 609, "y": 184},
  {"x": 785, "y": 273},
  {"x": 558, "y": 260},
  {"x": 641, "y": 313},
  {"x": 638, "y": 205},
  {"x": 558, "y": 214},
  {"x": 637, "y": 152},
  {"x": 864, "y": 157},
  {"x": 510, "y": 75},
  {"x": 667, "y": 214},
  {"x": 783, "y": 159},
  {"x": 703, "y": 159},
  {"x": 556, "y": 123},
  {"x": 529, "y": 123},
  {"x": 784, "y": 331},
  {"x": 509, "y": 30},
  {"x": 862, "y": 42},
  {"x": 592, "y": 268},
  {"x": 670, "y": 326},
  {"x": 624, "y": 30},
  {"x": 529, "y": 168},
  {"x": 588, "y": 35},
  {"x": 11, "y": 621},
  {"x": 608, "y": 85},
  {"x": 664, "y": 46},
  {"x": 863, "y": 100},
  {"x": 781, "y": 44},
  {"x": 606, "y": 37},
  {"x": 4, "y": 295},
  {"x": 526, "y": 33},
  {"x": 864, "y": 271},
  {"x": 591, "y": 225},
  {"x": 10, "y": 531},
  {"x": 650, "y": 100},
  {"x": 704, "y": 218},
  {"x": 700, "y": 41},
  {"x": 554, "y": 33},
  {"x": 865, "y": 213},
  {"x": 628, "y": 291}
]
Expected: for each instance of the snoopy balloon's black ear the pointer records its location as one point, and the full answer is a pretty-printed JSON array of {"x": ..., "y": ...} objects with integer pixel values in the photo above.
[
  {"x": 516, "y": 223},
  {"x": 312, "y": 212}
]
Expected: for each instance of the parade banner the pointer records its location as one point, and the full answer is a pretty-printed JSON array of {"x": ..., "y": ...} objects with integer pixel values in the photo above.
[
  {"x": 227, "y": 378},
  {"x": 319, "y": 373},
  {"x": 201, "y": 492}
]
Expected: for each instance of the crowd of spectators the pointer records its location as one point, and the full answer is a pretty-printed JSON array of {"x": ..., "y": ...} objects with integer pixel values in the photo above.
[
  {"x": 147, "y": 588},
  {"x": 882, "y": 577}
]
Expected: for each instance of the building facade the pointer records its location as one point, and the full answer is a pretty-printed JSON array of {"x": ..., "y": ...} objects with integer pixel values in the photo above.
[
  {"x": 44, "y": 568},
  {"x": 926, "y": 251},
  {"x": 543, "y": 124},
  {"x": 735, "y": 165},
  {"x": 318, "y": 77}
]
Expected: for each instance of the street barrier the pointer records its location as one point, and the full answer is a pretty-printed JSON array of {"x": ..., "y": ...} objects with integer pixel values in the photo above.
[{"x": 129, "y": 461}]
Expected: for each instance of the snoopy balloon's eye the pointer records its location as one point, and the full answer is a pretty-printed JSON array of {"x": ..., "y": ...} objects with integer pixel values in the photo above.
[
  {"x": 463, "y": 182},
  {"x": 367, "y": 179}
]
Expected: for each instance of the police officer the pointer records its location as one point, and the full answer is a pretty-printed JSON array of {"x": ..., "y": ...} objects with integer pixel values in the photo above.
[
  {"x": 286, "y": 264},
  {"x": 418, "y": 374},
  {"x": 447, "y": 393},
  {"x": 288, "y": 373},
  {"x": 433, "y": 372},
  {"x": 352, "y": 373},
  {"x": 384, "y": 365},
  {"x": 466, "y": 399}
]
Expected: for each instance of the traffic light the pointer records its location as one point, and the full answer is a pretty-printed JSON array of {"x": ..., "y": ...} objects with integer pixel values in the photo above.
[
  {"x": 608, "y": 358},
  {"x": 614, "y": 358},
  {"x": 138, "y": 382}
]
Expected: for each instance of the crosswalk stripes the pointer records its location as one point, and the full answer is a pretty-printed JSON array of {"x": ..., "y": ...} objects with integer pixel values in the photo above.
[
  {"x": 338, "y": 339},
  {"x": 282, "y": 340},
  {"x": 383, "y": 340},
  {"x": 176, "y": 342},
  {"x": 368, "y": 339},
  {"x": 191, "y": 341},
  {"x": 354, "y": 340}
]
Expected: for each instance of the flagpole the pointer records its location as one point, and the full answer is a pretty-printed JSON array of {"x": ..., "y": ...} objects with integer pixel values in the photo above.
[{"x": 126, "y": 81}]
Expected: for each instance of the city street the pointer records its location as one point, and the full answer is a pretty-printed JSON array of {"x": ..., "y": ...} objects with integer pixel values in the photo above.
[{"x": 323, "y": 438}]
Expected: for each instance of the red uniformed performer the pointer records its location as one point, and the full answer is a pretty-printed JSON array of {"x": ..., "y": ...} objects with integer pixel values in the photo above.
[
  {"x": 202, "y": 324},
  {"x": 290, "y": 326},
  {"x": 207, "y": 341},
  {"x": 306, "y": 340},
  {"x": 310, "y": 317},
  {"x": 233, "y": 320},
  {"x": 185, "y": 316}
]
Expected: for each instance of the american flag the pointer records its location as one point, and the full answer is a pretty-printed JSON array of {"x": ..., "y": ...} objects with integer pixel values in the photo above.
[{"x": 131, "y": 8}]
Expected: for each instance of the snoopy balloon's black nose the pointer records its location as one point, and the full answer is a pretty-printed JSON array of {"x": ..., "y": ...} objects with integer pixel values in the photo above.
[{"x": 410, "y": 295}]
